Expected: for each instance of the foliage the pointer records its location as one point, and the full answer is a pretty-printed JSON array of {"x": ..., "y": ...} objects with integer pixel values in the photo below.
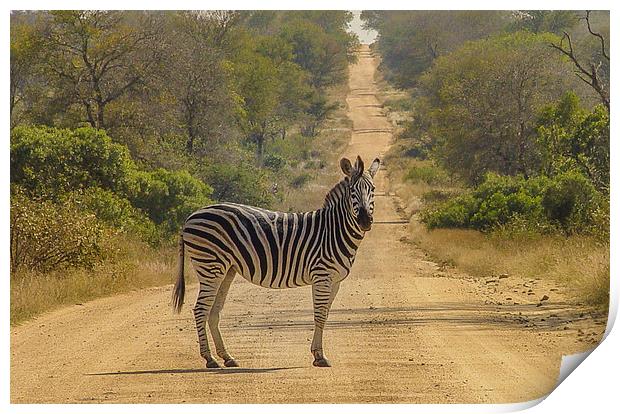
[
  {"x": 51, "y": 162},
  {"x": 480, "y": 103},
  {"x": 566, "y": 202},
  {"x": 318, "y": 111},
  {"x": 541, "y": 21},
  {"x": 410, "y": 41},
  {"x": 238, "y": 183},
  {"x": 570, "y": 137},
  {"x": 117, "y": 212},
  {"x": 427, "y": 173},
  {"x": 570, "y": 199},
  {"x": 96, "y": 57},
  {"x": 275, "y": 162},
  {"x": 168, "y": 197},
  {"x": 46, "y": 235},
  {"x": 323, "y": 56},
  {"x": 196, "y": 82},
  {"x": 192, "y": 81}
]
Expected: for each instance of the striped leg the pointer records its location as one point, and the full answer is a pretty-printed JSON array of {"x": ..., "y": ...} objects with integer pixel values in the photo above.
[
  {"x": 323, "y": 294},
  {"x": 214, "y": 319},
  {"x": 209, "y": 285}
]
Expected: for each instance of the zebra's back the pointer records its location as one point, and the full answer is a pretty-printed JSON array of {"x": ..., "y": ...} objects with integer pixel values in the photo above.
[{"x": 268, "y": 248}]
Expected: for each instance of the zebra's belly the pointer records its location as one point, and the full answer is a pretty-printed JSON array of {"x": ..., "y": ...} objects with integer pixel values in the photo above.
[{"x": 278, "y": 280}]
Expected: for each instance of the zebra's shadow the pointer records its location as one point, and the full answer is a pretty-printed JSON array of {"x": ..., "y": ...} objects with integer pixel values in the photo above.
[{"x": 196, "y": 371}]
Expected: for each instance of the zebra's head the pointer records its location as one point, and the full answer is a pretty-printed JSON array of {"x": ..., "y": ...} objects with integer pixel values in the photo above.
[{"x": 362, "y": 190}]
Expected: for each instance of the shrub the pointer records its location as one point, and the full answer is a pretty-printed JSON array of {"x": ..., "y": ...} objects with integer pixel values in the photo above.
[
  {"x": 51, "y": 161},
  {"x": 47, "y": 235},
  {"x": 168, "y": 197},
  {"x": 117, "y": 212},
  {"x": 568, "y": 201},
  {"x": 454, "y": 213},
  {"x": 570, "y": 137},
  {"x": 437, "y": 196},
  {"x": 274, "y": 162},
  {"x": 241, "y": 183},
  {"x": 300, "y": 180}
]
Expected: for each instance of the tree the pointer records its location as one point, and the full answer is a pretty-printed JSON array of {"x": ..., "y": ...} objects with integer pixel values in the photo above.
[
  {"x": 25, "y": 47},
  {"x": 96, "y": 57},
  {"x": 588, "y": 70},
  {"x": 196, "y": 77},
  {"x": 321, "y": 55},
  {"x": 482, "y": 103},
  {"x": 317, "y": 112},
  {"x": 409, "y": 41},
  {"x": 543, "y": 21},
  {"x": 259, "y": 87}
]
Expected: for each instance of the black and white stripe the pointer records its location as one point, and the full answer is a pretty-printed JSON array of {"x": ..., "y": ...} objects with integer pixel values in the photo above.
[{"x": 276, "y": 250}]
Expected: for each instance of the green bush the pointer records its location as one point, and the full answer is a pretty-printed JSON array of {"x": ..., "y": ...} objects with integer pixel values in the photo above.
[
  {"x": 570, "y": 137},
  {"x": 51, "y": 162},
  {"x": 168, "y": 197},
  {"x": 454, "y": 213},
  {"x": 300, "y": 180},
  {"x": 274, "y": 162},
  {"x": 238, "y": 183},
  {"x": 86, "y": 167},
  {"x": 47, "y": 235},
  {"x": 117, "y": 212},
  {"x": 568, "y": 201}
]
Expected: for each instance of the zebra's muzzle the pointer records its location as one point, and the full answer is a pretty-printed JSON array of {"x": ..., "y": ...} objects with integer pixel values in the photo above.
[{"x": 364, "y": 220}]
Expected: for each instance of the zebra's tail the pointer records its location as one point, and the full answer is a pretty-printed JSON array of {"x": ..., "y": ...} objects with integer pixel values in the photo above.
[{"x": 178, "y": 293}]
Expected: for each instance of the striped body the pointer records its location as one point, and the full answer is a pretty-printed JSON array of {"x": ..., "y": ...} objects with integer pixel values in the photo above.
[{"x": 272, "y": 249}]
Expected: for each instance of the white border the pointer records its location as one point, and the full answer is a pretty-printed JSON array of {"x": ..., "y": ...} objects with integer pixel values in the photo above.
[{"x": 593, "y": 385}]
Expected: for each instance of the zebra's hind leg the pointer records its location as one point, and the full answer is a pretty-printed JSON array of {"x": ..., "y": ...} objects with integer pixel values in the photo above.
[
  {"x": 209, "y": 284},
  {"x": 214, "y": 319}
]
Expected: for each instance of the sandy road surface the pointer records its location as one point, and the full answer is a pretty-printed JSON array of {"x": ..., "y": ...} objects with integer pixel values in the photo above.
[{"x": 402, "y": 329}]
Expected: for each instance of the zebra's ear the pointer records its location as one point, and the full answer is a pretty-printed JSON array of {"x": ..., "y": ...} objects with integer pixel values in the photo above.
[
  {"x": 374, "y": 167},
  {"x": 359, "y": 166},
  {"x": 346, "y": 167}
]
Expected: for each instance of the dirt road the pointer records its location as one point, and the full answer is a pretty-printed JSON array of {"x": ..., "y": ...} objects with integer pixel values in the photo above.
[{"x": 402, "y": 329}]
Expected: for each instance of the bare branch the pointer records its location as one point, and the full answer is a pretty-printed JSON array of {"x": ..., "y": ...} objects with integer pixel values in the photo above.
[{"x": 600, "y": 37}]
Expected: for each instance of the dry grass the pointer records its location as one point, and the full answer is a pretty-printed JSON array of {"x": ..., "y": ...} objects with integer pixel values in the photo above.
[
  {"x": 579, "y": 263},
  {"x": 135, "y": 266},
  {"x": 412, "y": 192}
]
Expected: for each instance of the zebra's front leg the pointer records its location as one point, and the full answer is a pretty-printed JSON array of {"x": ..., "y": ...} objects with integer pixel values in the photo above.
[{"x": 323, "y": 294}]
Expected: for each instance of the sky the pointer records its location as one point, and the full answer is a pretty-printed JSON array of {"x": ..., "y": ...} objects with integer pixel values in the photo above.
[{"x": 365, "y": 36}]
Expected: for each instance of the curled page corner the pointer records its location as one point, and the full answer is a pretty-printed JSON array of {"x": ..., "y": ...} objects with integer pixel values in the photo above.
[{"x": 569, "y": 363}]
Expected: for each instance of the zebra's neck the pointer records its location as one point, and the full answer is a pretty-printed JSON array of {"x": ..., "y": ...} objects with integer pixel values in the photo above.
[{"x": 342, "y": 235}]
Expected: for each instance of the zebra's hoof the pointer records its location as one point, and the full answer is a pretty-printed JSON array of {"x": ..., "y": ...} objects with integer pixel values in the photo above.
[
  {"x": 230, "y": 363},
  {"x": 213, "y": 364},
  {"x": 321, "y": 363}
]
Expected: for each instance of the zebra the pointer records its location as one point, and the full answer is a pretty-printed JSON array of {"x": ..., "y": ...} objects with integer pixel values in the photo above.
[{"x": 276, "y": 250}]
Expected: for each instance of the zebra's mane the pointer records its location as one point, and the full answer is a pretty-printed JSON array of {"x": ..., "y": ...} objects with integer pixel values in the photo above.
[{"x": 336, "y": 193}]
